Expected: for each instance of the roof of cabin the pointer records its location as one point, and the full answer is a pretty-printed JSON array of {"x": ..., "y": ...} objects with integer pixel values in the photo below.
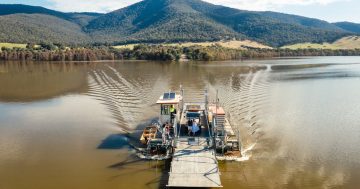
[{"x": 167, "y": 100}]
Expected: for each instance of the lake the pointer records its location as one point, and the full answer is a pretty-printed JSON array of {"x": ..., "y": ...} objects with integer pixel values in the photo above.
[{"x": 62, "y": 125}]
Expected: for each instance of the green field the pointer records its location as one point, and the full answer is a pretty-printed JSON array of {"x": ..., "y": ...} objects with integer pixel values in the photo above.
[
  {"x": 351, "y": 42},
  {"x": 12, "y": 45}
]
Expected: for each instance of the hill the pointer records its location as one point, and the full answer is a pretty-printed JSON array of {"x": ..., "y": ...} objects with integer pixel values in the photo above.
[
  {"x": 301, "y": 20},
  {"x": 351, "y": 42},
  {"x": 7, "y": 9},
  {"x": 34, "y": 24},
  {"x": 81, "y": 18},
  {"x": 348, "y": 26},
  {"x": 195, "y": 20},
  {"x": 159, "y": 21},
  {"x": 36, "y": 28}
]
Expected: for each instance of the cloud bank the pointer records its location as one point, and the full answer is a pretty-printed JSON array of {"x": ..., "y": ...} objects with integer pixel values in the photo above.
[{"x": 110, "y": 5}]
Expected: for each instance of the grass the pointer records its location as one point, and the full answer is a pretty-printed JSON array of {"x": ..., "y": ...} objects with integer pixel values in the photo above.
[
  {"x": 351, "y": 42},
  {"x": 130, "y": 46},
  {"x": 233, "y": 44},
  {"x": 16, "y": 45},
  {"x": 12, "y": 45},
  {"x": 310, "y": 46}
]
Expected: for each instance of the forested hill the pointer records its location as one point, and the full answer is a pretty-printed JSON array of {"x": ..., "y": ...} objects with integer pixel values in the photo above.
[
  {"x": 348, "y": 26},
  {"x": 172, "y": 20},
  {"x": 81, "y": 17},
  {"x": 7, "y": 9},
  {"x": 155, "y": 21}
]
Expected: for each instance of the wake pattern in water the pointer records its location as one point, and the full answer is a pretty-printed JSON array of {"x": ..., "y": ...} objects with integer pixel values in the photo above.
[
  {"x": 124, "y": 99},
  {"x": 244, "y": 104}
]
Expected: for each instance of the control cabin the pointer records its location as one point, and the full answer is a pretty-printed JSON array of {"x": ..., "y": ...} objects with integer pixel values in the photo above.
[{"x": 166, "y": 101}]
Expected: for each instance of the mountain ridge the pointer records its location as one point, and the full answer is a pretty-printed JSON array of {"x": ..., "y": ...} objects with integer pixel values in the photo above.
[
  {"x": 158, "y": 21},
  {"x": 349, "y": 26}
]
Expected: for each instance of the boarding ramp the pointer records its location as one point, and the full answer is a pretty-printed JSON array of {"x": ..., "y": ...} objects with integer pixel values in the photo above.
[{"x": 194, "y": 164}]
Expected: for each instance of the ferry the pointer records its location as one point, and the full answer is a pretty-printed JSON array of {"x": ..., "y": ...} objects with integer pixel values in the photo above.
[
  {"x": 189, "y": 121},
  {"x": 194, "y": 135}
]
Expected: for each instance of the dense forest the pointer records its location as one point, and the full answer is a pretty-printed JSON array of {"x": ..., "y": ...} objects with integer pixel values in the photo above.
[
  {"x": 51, "y": 52},
  {"x": 154, "y": 21},
  {"x": 159, "y": 21}
]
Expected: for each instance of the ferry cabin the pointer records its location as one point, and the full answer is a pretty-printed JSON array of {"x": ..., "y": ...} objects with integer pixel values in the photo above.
[{"x": 166, "y": 102}]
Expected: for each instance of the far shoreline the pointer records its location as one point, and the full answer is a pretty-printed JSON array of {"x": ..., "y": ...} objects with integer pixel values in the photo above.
[
  {"x": 169, "y": 61},
  {"x": 160, "y": 53}
]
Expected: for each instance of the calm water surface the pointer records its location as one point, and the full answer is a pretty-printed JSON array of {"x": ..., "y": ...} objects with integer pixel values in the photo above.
[{"x": 62, "y": 125}]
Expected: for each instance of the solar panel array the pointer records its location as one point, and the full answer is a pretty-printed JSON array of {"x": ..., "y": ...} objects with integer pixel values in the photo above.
[{"x": 169, "y": 96}]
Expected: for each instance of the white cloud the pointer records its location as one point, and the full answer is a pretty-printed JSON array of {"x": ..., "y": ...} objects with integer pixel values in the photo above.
[
  {"x": 90, "y": 5},
  {"x": 109, "y": 5},
  {"x": 268, "y": 4}
]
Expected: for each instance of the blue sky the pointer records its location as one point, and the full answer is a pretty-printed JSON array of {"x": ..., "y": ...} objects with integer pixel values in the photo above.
[{"x": 329, "y": 10}]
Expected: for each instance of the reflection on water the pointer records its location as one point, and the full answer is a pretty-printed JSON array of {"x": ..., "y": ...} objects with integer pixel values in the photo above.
[
  {"x": 32, "y": 81},
  {"x": 298, "y": 120}
]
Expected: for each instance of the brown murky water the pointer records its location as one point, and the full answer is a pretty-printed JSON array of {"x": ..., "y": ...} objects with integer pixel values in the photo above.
[{"x": 62, "y": 124}]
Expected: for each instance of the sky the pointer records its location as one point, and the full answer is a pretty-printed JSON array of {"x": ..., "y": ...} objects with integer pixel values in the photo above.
[{"x": 329, "y": 10}]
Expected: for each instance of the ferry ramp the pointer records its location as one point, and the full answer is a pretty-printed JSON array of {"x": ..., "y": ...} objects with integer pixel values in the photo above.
[{"x": 194, "y": 165}]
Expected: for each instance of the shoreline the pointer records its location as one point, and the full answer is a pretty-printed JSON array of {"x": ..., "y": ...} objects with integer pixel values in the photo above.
[
  {"x": 162, "y": 53},
  {"x": 172, "y": 61}
]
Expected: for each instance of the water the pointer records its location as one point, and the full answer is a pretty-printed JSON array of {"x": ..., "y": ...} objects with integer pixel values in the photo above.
[{"x": 63, "y": 125}]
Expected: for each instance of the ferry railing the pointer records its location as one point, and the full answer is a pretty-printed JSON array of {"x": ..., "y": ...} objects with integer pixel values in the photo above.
[
  {"x": 176, "y": 136},
  {"x": 212, "y": 140},
  {"x": 214, "y": 135}
]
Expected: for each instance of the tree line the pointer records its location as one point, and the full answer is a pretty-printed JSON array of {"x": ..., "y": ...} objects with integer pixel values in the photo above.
[{"x": 58, "y": 52}]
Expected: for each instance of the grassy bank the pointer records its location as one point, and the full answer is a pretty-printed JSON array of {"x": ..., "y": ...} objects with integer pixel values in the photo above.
[{"x": 351, "y": 42}]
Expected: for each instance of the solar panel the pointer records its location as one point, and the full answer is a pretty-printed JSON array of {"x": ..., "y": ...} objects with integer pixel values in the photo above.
[
  {"x": 168, "y": 96},
  {"x": 172, "y": 95}
]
